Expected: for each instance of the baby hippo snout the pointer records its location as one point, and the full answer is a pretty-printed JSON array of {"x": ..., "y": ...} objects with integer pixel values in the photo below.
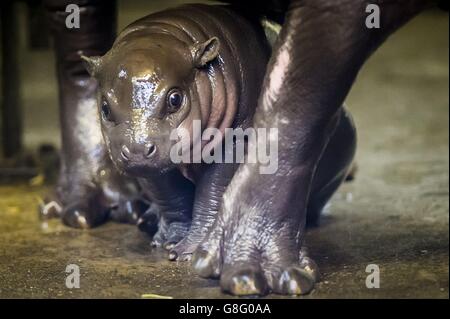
[
  {"x": 147, "y": 150},
  {"x": 141, "y": 157}
]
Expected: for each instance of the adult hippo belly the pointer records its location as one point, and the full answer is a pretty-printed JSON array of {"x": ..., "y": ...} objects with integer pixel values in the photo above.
[{"x": 191, "y": 66}]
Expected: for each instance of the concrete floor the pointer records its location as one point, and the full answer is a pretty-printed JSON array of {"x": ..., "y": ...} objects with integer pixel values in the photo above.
[{"x": 394, "y": 214}]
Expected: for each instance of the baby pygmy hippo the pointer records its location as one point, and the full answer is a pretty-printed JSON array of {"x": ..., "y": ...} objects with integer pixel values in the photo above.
[{"x": 166, "y": 71}]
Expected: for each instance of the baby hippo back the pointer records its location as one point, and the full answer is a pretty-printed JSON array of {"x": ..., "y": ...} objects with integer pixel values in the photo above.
[{"x": 228, "y": 88}]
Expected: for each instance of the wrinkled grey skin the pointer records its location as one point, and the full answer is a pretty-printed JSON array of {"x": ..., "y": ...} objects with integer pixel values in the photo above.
[
  {"x": 255, "y": 243},
  {"x": 202, "y": 54},
  {"x": 89, "y": 189}
]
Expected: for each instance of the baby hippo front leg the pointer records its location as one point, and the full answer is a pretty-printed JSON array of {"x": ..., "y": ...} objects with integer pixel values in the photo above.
[
  {"x": 173, "y": 196},
  {"x": 208, "y": 196}
]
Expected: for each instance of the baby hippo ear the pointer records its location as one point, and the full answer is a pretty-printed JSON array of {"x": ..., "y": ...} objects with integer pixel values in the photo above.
[
  {"x": 205, "y": 52},
  {"x": 92, "y": 63}
]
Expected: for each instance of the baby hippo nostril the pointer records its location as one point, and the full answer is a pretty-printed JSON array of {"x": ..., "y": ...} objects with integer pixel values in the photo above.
[
  {"x": 125, "y": 153},
  {"x": 150, "y": 149}
]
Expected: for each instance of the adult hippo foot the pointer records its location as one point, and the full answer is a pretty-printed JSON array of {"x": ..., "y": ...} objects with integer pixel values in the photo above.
[
  {"x": 85, "y": 212},
  {"x": 254, "y": 245},
  {"x": 94, "y": 208},
  {"x": 94, "y": 211},
  {"x": 252, "y": 259},
  {"x": 50, "y": 207},
  {"x": 80, "y": 212}
]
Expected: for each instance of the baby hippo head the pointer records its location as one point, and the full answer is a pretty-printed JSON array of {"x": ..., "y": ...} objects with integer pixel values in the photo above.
[{"x": 147, "y": 89}]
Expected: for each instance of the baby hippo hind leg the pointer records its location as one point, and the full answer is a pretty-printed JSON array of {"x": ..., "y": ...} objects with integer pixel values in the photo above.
[{"x": 334, "y": 166}]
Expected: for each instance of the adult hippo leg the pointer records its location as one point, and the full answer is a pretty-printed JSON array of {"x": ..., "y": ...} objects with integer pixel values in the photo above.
[
  {"x": 254, "y": 244},
  {"x": 88, "y": 185}
]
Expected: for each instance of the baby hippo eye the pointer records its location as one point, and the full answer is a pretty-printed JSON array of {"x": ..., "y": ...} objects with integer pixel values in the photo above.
[
  {"x": 106, "y": 111},
  {"x": 174, "y": 100}
]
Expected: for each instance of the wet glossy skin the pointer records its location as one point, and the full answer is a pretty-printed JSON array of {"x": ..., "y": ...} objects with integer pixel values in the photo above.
[
  {"x": 254, "y": 244},
  {"x": 164, "y": 72},
  {"x": 137, "y": 77}
]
